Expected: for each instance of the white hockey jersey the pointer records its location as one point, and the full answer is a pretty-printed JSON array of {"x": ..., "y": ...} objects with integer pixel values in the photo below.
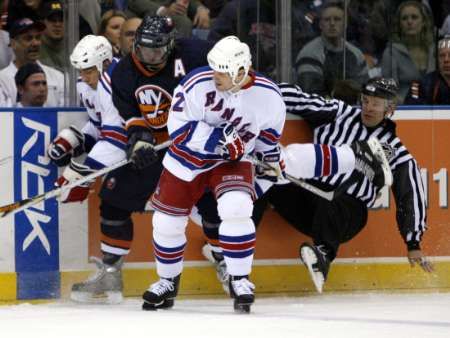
[
  {"x": 104, "y": 132},
  {"x": 257, "y": 111}
]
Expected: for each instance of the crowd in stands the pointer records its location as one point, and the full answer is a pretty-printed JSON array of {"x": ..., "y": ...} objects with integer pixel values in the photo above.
[{"x": 336, "y": 45}]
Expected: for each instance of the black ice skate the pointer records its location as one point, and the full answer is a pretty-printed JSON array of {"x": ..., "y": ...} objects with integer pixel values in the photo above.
[
  {"x": 220, "y": 265},
  {"x": 315, "y": 259},
  {"x": 371, "y": 161},
  {"x": 161, "y": 295},
  {"x": 241, "y": 289},
  {"x": 104, "y": 286}
]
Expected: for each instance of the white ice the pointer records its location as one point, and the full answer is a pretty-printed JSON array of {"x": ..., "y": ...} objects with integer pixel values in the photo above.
[{"x": 328, "y": 315}]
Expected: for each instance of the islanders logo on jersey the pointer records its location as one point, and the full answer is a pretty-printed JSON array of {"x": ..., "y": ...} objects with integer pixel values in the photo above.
[{"x": 154, "y": 104}]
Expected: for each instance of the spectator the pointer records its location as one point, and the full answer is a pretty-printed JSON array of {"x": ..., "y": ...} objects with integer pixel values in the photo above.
[
  {"x": 6, "y": 53},
  {"x": 25, "y": 35},
  {"x": 20, "y": 9},
  {"x": 329, "y": 58},
  {"x": 253, "y": 21},
  {"x": 52, "y": 48},
  {"x": 110, "y": 26},
  {"x": 127, "y": 34},
  {"x": 434, "y": 88},
  {"x": 214, "y": 6},
  {"x": 366, "y": 28},
  {"x": 445, "y": 27},
  {"x": 184, "y": 13},
  {"x": 107, "y": 5},
  {"x": 90, "y": 15},
  {"x": 31, "y": 86},
  {"x": 409, "y": 54},
  {"x": 305, "y": 23}
]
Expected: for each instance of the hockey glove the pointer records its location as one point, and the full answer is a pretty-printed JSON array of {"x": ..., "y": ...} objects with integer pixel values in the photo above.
[
  {"x": 230, "y": 145},
  {"x": 141, "y": 149},
  {"x": 274, "y": 168},
  {"x": 74, "y": 172},
  {"x": 68, "y": 143}
]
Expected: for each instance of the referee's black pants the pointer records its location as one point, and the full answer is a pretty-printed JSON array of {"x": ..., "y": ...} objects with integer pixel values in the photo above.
[{"x": 328, "y": 223}]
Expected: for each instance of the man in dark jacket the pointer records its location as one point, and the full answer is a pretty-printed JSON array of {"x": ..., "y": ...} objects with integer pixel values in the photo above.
[{"x": 434, "y": 88}]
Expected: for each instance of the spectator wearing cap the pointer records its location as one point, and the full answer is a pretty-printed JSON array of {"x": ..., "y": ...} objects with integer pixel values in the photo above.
[
  {"x": 19, "y": 9},
  {"x": 52, "y": 49},
  {"x": 31, "y": 86},
  {"x": 25, "y": 36},
  {"x": 434, "y": 87}
]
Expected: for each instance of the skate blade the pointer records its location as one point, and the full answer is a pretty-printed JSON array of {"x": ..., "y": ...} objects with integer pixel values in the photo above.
[
  {"x": 309, "y": 258},
  {"x": 242, "y": 308},
  {"x": 109, "y": 297},
  {"x": 377, "y": 149},
  {"x": 164, "y": 305}
]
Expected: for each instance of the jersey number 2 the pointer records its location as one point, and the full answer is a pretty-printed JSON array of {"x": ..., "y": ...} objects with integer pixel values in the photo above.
[{"x": 179, "y": 102}]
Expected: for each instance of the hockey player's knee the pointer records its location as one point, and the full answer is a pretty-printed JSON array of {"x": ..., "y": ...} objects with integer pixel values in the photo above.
[
  {"x": 235, "y": 204},
  {"x": 169, "y": 225},
  {"x": 116, "y": 223},
  {"x": 108, "y": 211}
]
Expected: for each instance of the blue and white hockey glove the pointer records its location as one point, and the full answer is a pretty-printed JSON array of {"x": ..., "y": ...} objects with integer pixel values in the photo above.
[
  {"x": 274, "y": 168},
  {"x": 141, "y": 149},
  {"x": 69, "y": 143}
]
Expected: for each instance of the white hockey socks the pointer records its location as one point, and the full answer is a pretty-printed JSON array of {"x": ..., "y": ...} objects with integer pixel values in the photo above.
[{"x": 169, "y": 241}]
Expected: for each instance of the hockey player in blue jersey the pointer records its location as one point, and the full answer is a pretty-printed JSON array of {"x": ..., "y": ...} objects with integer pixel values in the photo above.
[{"x": 140, "y": 93}]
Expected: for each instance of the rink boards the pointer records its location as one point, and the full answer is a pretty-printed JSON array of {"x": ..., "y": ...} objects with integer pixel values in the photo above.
[{"x": 44, "y": 250}]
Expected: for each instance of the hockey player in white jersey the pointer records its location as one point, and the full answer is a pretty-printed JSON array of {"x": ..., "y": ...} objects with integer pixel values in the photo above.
[
  {"x": 103, "y": 138},
  {"x": 102, "y": 135},
  {"x": 218, "y": 115}
]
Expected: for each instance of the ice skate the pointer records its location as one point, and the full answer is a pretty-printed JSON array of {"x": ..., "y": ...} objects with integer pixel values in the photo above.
[
  {"x": 371, "y": 161},
  {"x": 161, "y": 295},
  {"x": 315, "y": 259},
  {"x": 220, "y": 266},
  {"x": 241, "y": 290},
  {"x": 104, "y": 286}
]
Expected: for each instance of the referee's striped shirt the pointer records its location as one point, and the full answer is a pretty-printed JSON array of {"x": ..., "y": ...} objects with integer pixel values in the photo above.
[{"x": 336, "y": 123}]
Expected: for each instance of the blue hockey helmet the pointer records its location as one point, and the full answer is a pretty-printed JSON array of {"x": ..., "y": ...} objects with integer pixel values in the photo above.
[{"x": 154, "y": 40}]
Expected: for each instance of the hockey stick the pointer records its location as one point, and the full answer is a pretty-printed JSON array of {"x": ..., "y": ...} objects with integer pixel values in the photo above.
[
  {"x": 5, "y": 160},
  {"x": 328, "y": 195},
  {"x": 28, "y": 202}
]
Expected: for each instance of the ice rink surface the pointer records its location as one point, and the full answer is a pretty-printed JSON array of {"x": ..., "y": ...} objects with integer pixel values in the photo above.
[{"x": 330, "y": 315}]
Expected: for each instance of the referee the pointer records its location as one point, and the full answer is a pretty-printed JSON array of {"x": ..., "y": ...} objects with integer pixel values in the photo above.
[{"x": 331, "y": 223}]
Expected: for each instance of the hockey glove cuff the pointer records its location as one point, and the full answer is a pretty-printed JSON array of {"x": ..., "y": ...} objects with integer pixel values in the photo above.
[{"x": 68, "y": 143}]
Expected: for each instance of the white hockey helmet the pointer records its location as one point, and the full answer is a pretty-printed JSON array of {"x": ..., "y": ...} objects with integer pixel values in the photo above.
[
  {"x": 92, "y": 50},
  {"x": 229, "y": 55}
]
